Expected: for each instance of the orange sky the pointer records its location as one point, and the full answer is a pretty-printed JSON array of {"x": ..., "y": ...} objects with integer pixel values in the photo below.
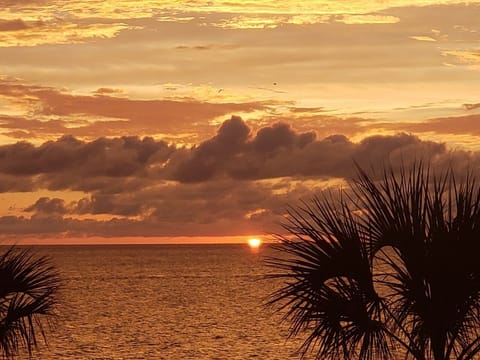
[{"x": 179, "y": 119}]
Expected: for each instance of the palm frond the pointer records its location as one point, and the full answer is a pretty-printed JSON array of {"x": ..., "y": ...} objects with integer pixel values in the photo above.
[
  {"x": 329, "y": 289},
  {"x": 28, "y": 289},
  {"x": 402, "y": 250}
]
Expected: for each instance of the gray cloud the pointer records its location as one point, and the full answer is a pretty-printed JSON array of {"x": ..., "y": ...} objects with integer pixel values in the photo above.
[
  {"x": 225, "y": 207},
  {"x": 109, "y": 204},
  {"x": 45, "y": 205},
  {"x": 68, "y": 163},
  {"x": 279, "y": 151},
  {"x": 116, "y": 165},
  {"x": 237, "y": 182},
  {"x": 15, "y": 183}
]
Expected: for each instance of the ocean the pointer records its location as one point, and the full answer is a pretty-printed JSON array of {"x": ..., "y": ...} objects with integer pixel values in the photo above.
[{"x": 165, "y": 302}]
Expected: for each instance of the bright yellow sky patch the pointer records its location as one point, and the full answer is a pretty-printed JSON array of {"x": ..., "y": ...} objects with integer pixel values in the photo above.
[{"x": 422, "y": 38}]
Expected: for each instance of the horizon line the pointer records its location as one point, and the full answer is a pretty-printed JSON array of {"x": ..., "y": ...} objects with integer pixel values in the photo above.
[{"x": 136, "y": 240}]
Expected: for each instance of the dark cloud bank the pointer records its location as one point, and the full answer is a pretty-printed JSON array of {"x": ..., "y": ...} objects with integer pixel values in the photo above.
[{"x": 237, "y": 182}]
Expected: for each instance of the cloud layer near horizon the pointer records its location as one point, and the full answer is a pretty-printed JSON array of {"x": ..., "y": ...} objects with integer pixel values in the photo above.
[
  {"x": 236, "y": 182},
  {"x": 113, "y": 113}
]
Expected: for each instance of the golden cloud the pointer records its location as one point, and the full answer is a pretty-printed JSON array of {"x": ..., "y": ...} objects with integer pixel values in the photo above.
[
  {"x": 57, "y": 32},
  {"x": 368, "y": 19},
  {"x": 422, "y": 38},
  {"x": 465, "y": 57},
  {"x": 234, "y": 14}
]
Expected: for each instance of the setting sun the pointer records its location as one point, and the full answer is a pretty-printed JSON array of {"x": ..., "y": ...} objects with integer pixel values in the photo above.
[{"x": 254, "y": 242}]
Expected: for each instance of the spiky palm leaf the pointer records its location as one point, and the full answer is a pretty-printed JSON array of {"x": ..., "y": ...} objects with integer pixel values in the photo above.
[
  {"x": 402, "y": 252},
  {"x": 28, "y": 289},
  {"x": 329, "y": 290}
]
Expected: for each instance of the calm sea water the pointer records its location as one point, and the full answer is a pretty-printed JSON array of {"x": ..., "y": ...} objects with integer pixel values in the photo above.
[{"x": 165, "y": 302}]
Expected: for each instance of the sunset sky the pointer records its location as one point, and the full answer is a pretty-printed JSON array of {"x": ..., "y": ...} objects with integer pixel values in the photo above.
[{"x": 181, "y": 121}]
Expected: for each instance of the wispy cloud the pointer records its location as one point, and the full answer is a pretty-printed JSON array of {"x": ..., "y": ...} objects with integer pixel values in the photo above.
[
  {"x": 32, "y": 33},
  {"x": 44, "y": 112}
]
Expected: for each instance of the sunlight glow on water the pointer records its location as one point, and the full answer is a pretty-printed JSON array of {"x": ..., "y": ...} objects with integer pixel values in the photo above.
[{"x": 165, "y": 302}]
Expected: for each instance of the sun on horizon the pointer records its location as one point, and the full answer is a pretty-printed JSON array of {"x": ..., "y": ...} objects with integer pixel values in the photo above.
[{"x": 254, "y": 243}]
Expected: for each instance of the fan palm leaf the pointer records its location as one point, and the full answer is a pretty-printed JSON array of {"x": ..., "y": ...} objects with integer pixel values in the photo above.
[
  {"x": 393, "y": 263},
  {"x": 28, "y": 289}
]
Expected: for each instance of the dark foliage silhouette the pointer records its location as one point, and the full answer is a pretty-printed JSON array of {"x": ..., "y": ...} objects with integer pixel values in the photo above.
[
  {"x": 28, "y": 290},
  {"x": 389, "y": 269}
]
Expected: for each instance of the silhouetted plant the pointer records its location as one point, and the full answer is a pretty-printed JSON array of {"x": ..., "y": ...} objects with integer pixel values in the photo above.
[
  {"x": 28, "y": 289},
  {"x": 390, "y": 269}
]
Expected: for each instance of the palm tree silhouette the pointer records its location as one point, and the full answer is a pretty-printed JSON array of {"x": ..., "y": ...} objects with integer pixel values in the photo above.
[
  {"x": 390, "y": 269},
  {"x": 28, "y": 289}
]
